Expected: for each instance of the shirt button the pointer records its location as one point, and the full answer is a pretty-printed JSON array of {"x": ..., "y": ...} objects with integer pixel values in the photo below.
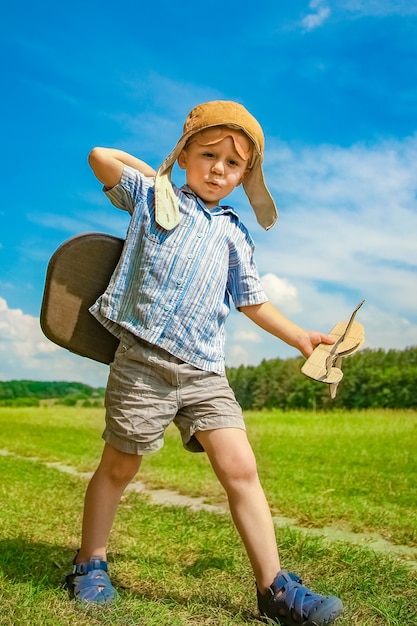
[
  {"x": 167, "y": 307},
  {"x": 190, "y": 256},
  {"x": 178, "y": 281},
  {"x": 199, "y": 235}
]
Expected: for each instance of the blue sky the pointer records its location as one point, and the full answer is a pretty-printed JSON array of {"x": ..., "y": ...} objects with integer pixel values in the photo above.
[{"x": 334, "y": 85}]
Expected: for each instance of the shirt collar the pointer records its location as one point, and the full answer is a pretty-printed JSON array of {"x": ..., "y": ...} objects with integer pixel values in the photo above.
[{"x": 218, "y": 210}]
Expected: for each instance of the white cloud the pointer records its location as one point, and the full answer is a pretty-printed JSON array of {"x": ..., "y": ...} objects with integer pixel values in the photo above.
[
  {"x": 378, "y": 7},
  {"x": 25, "y": 353},
  {"x": 237, "y": 355},
  {"x": 360, "y": 200},
  {"x": 320, "y": 12},
  {"x": 347, "y": 228},
  {"x": 319, "y": 15},
  {"x": 246, "y": 336},
  {"x": 281, "y": 293}
]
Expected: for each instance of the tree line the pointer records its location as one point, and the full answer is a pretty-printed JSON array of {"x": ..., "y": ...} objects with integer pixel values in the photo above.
[
  {"x": 372, "y": 379},
  {"x": 31, "y": 392}
]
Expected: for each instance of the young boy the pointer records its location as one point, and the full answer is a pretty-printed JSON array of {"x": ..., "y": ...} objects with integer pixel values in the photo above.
[{"x": 185, "y": 256}]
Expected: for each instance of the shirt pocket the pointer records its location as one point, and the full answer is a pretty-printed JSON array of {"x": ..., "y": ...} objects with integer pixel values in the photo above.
[{"x": 168, "y": 238}]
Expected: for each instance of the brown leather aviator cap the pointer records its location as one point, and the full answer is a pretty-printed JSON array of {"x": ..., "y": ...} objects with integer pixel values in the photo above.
[{"x": 207, "y": 115}]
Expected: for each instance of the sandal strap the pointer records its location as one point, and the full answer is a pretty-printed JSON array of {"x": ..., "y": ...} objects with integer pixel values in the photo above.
[
  {"x": 288, "y": 589},
  {"x": 93, "y": 564}
]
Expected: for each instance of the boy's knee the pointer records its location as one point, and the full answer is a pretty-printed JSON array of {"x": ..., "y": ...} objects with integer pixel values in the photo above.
[
  {"x": 120, "y": 467},
  {"x": 240, "y": 469},
  {"x": 122, "y": 475}
]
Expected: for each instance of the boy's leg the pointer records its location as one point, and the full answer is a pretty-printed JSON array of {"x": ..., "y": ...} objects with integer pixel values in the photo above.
[
  {"x": 233, "y": 461},
  {"x": 89, "y": 581},
  {"x": 282, "y": 597},
  {"x": 114, "y": 473}
]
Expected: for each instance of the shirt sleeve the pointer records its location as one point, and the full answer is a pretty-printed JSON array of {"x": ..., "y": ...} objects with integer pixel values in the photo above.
[
  {"x": 244, "y": 283},
  {"x": 131, "y": 191}
]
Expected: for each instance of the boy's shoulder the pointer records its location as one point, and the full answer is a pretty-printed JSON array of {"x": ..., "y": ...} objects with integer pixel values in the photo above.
[{"x": 131, "y": 175}]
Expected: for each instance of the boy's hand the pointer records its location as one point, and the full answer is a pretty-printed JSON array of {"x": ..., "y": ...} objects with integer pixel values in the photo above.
[{"x": 311, "y": 340}]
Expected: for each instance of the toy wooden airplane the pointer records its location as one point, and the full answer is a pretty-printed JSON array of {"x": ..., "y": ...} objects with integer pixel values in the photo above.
[{"x": 325, "y": 363}]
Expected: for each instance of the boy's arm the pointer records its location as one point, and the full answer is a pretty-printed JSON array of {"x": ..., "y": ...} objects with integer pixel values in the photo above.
[
  {"x": 108, "y": 163},
  {"x": 273, "y": 321}
]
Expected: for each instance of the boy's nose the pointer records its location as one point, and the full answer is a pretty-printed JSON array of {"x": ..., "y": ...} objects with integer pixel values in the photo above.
[{"x": 217, "y": 168}]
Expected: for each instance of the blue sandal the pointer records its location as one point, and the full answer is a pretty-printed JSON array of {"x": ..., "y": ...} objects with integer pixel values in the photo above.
[
  {"x": 289, "y": 603},
  {"x": 89, "y": 583}
]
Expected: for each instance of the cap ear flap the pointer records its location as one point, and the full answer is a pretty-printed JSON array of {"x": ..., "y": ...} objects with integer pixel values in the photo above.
[
  {"x": 259, "y": 196},
  {"x": 167, "y": 212}
]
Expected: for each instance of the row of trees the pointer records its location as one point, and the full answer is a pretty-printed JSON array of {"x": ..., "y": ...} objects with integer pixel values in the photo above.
[
  {"x": 372, "y": 378},
  {"x": 30, "y": 392}
]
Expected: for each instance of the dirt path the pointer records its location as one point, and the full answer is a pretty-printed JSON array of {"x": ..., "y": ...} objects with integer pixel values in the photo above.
[{"x": 165, "y": 497}]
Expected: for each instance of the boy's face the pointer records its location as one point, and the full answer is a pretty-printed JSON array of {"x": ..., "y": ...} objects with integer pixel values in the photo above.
[{"x": 213, "y": 170}]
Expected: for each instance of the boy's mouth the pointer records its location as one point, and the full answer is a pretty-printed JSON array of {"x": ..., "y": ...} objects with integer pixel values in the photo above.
[{"x": 214, "y": 183}]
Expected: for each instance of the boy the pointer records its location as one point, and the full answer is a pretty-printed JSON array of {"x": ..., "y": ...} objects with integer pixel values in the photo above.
[{"x": 184, "y": 257}]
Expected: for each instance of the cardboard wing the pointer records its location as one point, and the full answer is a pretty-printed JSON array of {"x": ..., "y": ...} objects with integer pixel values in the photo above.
[{"x": 77, "y": 274}]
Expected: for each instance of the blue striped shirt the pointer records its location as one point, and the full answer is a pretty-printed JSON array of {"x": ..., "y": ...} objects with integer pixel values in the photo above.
[{"x": 173, "y": 288}]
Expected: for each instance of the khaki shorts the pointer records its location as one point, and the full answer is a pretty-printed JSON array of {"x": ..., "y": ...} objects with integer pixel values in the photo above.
[{"x": 148, "y": 388}]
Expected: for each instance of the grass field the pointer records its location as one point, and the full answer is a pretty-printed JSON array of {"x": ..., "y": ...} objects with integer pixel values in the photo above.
[{"x": 338, "y": 475}]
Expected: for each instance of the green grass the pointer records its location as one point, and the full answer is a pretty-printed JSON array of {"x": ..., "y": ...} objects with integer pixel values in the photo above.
[{"x": 174, "y": 566}]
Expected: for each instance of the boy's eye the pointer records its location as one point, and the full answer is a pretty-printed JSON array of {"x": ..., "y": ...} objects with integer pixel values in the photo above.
[{"x": 233, "y": 163}]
